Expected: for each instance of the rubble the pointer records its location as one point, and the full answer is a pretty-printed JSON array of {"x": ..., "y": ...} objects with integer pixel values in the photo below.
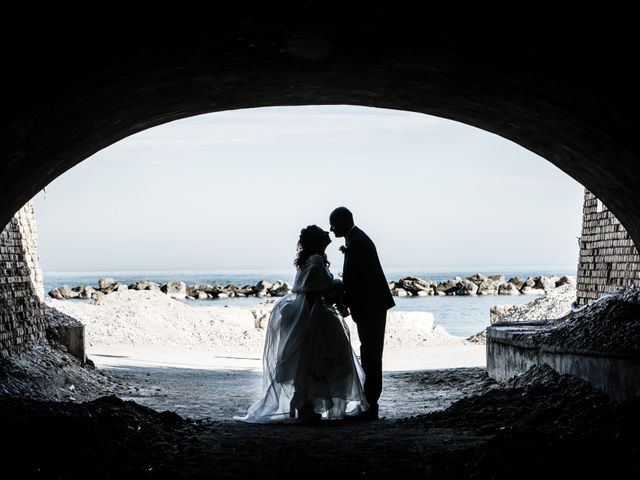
[
  {"x": 46, "y": 371},
  {"x": 608, "y": 325},
  {"x": 538, "y": 425},
  {"x": 543, "y": 425}
]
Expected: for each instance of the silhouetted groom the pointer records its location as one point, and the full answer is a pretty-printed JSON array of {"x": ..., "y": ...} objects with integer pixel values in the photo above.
[{"x": 368, "y": 297}]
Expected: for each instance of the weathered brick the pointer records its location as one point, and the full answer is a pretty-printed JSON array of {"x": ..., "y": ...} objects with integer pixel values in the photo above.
[
  {"x": 21, "y": 292},
  {"x": 608, "y": 257}
]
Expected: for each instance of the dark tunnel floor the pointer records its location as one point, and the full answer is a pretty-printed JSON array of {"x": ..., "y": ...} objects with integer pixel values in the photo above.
[{"x": 541, "y": 426}]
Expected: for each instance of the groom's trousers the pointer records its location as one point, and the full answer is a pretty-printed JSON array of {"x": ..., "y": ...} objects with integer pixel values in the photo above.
[{"x": 371, "y": 326}]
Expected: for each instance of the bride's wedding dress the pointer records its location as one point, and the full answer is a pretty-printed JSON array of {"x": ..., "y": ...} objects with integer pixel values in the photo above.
[{"x": 308, "y": 355}]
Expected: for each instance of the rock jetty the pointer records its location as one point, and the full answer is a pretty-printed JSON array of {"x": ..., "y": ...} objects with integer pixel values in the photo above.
[
  {"x": 176, "y": 289},
  {"x": 477, "y": 284}
]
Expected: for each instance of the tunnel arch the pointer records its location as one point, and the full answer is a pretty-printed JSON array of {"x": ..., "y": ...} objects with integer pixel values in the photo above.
[{"x": 564, "y": 94}]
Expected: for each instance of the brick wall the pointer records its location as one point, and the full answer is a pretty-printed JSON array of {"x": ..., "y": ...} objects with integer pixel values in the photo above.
[
  {"x": 21, "y": 288},
  {"x": 608, "y": 256}
]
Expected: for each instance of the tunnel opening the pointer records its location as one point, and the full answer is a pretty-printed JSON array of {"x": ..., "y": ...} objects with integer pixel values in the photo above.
[
  {"x": 477, "y": 391},
  {"x": 571, "y": 102},
  {"x": 389, "y": 166}
]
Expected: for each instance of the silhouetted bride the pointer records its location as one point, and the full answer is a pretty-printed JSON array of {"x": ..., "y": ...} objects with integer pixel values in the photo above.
[{"x": 310, "y": 370}]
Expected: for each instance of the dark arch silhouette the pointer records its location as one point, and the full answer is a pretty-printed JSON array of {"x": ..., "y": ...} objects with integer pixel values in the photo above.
[{"x": 566, "y": 94}]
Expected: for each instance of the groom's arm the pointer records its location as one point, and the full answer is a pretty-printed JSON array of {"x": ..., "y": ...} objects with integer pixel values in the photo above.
[
  {"x": 334, "y": 293},
  {"x": 354, "y": 263}
]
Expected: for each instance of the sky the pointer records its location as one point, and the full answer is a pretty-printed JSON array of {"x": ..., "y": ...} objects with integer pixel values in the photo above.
[{"x": 230, "y": 191}]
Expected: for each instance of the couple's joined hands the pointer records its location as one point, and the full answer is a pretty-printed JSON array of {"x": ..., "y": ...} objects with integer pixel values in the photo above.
[{"x": 334, "y": 296}]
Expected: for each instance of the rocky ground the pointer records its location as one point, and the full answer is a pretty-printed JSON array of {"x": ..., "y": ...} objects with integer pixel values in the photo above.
[
  {"x": 541, "y": 425},
  {"x": 45, "y": 371},
  {"x": 555, "y": 304},
  {"x": 609, "y": 325}
]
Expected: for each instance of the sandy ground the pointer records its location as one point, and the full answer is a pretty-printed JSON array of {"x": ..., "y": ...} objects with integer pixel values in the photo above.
[
  {"x": 206, "y": 362},
  {"x": 202, "y": 384},
  {"x": 463, "y": 354},
  {"x": 144, "y": 318}
]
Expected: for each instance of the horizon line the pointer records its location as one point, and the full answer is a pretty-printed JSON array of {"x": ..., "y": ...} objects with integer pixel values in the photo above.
[{"x": 437, "y": 269}]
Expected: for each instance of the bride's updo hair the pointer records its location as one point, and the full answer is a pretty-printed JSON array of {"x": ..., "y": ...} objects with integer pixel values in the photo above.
[{"x": 312, "y": 241}]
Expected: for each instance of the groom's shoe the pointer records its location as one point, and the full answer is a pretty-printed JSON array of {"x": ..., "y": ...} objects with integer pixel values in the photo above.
[{"x": 306, "y": 414}]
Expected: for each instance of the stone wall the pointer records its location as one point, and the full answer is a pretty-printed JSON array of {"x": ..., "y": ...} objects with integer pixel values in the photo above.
[
  {"x": 608, "y": 256},
  {"x": 21, "y": 286}
]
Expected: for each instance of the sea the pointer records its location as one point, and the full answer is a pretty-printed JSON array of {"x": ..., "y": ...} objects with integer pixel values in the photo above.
[{"x": 460, "y": 315}]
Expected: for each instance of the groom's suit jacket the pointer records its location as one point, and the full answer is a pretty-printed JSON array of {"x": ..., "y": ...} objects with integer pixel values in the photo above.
[{"x": 365, "y": 285}]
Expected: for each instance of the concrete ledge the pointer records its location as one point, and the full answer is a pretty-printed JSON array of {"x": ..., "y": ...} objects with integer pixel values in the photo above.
[
  {"x": 514, "y": 348},
  {"x": 72, "y": 337}
]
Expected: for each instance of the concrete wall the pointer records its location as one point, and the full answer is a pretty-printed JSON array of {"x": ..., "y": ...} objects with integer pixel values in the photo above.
[
  {"x": 513, "y": 348},
  {"x": 608, "y": 256},
  {"x": 21, "y": 287}
]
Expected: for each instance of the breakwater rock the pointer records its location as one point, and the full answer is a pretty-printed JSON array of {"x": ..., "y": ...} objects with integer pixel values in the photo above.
[
  {"x": 477, "y": 284},
  {"x": 176, "y": 289}
]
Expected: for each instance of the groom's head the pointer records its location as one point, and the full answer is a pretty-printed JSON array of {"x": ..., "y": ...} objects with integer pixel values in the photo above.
[{"x": 341, "y": 220}]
